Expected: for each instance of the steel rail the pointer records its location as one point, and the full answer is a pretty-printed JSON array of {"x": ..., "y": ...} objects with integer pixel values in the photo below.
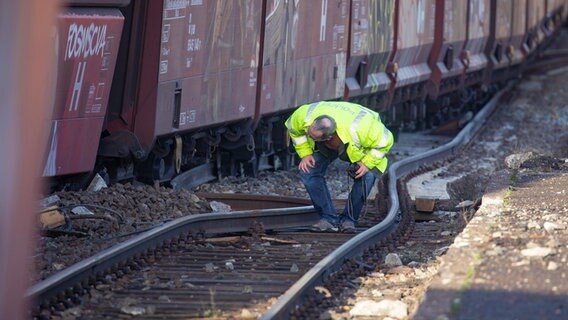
[
  {"x": 355, "y": 247},
  {"x": 207, "y": 224},
  {"x": 550, "y": 64},
  {"x": 238, "y": 201}
]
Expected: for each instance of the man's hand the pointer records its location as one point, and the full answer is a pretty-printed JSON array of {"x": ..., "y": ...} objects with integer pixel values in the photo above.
[
  {"x": 361, "y": 171},
  {"x": 306, "y": 163}
]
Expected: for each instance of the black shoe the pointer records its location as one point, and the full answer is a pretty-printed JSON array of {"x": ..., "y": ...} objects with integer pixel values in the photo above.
[{"x": 324, "y": 226}]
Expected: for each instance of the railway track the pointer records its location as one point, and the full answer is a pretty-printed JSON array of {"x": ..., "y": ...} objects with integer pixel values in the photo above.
[
  {"x": 550, "y": 61},
  {"x": 250, "y": 262},
  {"x": 553, "y": 59}
]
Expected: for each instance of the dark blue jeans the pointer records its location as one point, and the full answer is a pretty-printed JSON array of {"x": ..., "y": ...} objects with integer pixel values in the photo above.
[{"x": 316, "y": 185}]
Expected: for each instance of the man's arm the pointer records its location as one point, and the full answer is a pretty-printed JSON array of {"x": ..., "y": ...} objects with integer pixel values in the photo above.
[
  {"x": 295, "y": 126},
  {"x": 375, "y": 143}
]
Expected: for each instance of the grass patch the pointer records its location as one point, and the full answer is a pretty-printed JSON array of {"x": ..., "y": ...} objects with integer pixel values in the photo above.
[
  {"x": 456, "y": 303},
  {"x": 507, "y": 197},
  {"x": 513, "y": 178}
]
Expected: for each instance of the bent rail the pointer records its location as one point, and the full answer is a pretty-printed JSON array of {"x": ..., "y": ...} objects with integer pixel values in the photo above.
[{"x": 354, "y": 247}]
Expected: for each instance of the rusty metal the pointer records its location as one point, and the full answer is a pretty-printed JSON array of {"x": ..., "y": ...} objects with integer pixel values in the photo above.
[{"x": 25, "y": 89}]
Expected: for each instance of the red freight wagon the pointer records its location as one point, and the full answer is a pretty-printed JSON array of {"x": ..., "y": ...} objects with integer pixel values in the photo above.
[
  {"x": 304, "y": 53},
  {"x": 371, "y": 47},
  {"x": 414, "y": 37},
  {"x": 518, "y": 31},
  {"x": 191, "y": 65},
  {"x": 86, "y": 49},
  {"x": 478, "y": 32},
  {"x": 408, "y": 68},
  {"x": 554, "y": 14},
  {"x": 200, "y": 69},
  {"x": 499, "y": 48},
  {"x": 450, "y": 36},
  {"x": 535, "y": 24}
]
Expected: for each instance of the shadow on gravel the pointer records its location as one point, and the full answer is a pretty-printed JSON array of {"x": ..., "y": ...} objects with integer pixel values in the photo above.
[{"x": 475, "y": 304}]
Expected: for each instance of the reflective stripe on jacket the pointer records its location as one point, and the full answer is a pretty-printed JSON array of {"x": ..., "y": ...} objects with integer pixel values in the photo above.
[{"x": 367, "y": 138}]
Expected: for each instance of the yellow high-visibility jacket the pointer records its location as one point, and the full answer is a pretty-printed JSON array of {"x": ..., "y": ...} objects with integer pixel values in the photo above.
[{"x": 360, "y": 128}]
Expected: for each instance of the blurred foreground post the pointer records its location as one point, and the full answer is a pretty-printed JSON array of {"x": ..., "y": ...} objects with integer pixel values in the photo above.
[{"x": 26, "y": 62}]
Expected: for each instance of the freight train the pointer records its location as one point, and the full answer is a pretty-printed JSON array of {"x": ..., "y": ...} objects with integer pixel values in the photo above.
[{"x": 185, "y": 91}]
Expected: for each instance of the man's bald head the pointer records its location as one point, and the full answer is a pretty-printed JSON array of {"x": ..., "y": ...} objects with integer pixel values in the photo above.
[{"x": 322, "y": 128}]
